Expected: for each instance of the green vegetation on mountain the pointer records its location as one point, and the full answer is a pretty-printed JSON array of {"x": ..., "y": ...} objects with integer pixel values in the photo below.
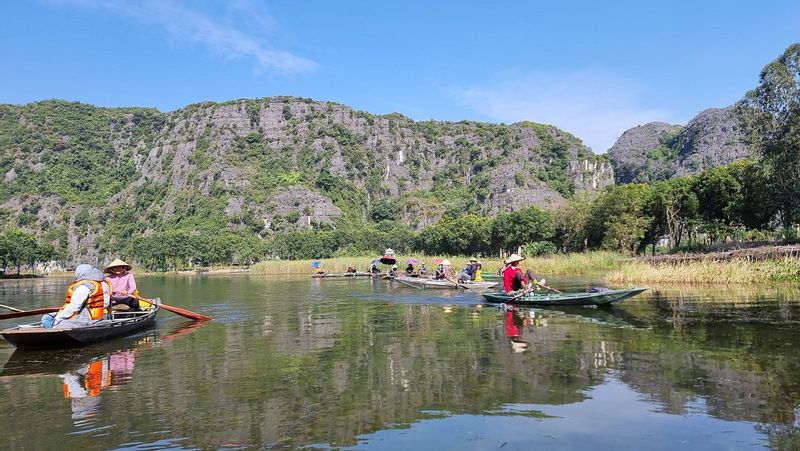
[{"x": 285, "y": 177}]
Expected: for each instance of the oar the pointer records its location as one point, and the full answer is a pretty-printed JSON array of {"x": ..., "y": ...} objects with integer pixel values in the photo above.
[
  {"x": 455, "y": 283},
  {"x": 176, "y": 310},
  {"x": 406, "y": 283},
  {"x": 38, "y": 311},
  {"x": 11, "y": 308},
  {"x": 547, "y": 288}
]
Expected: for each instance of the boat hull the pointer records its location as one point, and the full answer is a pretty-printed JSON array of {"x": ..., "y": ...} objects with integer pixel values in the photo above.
[
  {"x": 562, "y": 299},
  {"x": 340, "y": 275},
  {"x": 445, "y": 284},
  {"x": 38, "y": 337}
]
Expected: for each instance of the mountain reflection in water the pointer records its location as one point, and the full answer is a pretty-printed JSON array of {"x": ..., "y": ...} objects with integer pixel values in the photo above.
[{"x": 356, "y": 363}]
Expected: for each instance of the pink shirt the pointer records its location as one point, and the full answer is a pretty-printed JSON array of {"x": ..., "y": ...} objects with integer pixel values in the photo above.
[{"x": 122, "y": 283}]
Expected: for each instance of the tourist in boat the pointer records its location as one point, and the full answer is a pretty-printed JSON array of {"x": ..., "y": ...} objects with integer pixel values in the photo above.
[
  {"x": 374, "y": 269},
  {"x": 468, "y": 273},
  {"x": 87, "y": 300},
  {"x": 478, "y": 267},
  {"x": 393, "y": 271},
  {"x": 423, "y": 269},
  {"x": 439, "y": 273},
  {"x": 410, "y": 269},
  {"x": 513, "y": 277},
  {"x": 351, "y": 270},
  {"x": 123, "y": 285}
]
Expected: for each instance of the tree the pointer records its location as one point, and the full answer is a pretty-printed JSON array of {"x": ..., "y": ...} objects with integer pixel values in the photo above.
[
  {"x": 772, "y": 114},
  {"x": 513, "y": 230},
  {"x": 618, "y": 220},
  {"x": 570, "y": 221}
]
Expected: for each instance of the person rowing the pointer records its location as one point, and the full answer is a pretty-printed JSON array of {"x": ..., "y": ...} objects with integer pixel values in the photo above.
[
  {"x": 513, "y": 277},
  {"x": 123, "y": 285}
]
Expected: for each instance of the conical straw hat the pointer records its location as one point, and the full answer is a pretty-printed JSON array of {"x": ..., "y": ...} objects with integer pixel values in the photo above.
[
  {"x": 514, "y": 258},
  {"x": 117, "y": 262}
]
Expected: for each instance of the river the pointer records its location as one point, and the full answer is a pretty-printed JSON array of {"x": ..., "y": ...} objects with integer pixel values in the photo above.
[{"x": 331, "y": 364}]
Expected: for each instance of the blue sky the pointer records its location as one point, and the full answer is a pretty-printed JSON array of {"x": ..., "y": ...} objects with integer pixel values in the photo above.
[{"x": 592, "y": 68}]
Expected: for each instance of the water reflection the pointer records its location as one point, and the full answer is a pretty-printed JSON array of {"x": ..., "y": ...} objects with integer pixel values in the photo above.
[
  {"x": 83, "y": 374},
  {"x": 359, "y": 363}
]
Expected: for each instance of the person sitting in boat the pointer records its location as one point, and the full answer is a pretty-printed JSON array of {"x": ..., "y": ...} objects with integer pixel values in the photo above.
[
  {"x": 351, "y": 270},
  {"x": 374, "y": 269},
  {"x": 393, "y": 271},
  {"x": 410, "y": 269},
  {"x": 123, "y": 285},
  {"x": 87, "y": 300},
  {"x": 478, "y": 267},
  {"x": 440, "y": 272},
  {"x": 468, "y": 273},
  {"x": 513, "y": 277},
  {"x": 423, "y": 269}
]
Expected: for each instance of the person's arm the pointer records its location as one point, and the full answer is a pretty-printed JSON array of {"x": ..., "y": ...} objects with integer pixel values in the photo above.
[
  {"x": 131, "y": 284},
  {"x": 79, "y": 296}
]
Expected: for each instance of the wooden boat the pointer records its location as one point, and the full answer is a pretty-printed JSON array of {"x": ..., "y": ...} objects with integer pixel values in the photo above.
[
  {"x": 422, "y": 282},
  {"x": 334, "y": 275},
  {"x": 121, "y": 323},
  {"x": 549, "y": 298}
]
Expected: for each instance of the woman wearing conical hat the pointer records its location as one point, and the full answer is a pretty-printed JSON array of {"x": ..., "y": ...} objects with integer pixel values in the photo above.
[
  {"x": 513, "y": 277},
  {"x": 123, "y": 285}
]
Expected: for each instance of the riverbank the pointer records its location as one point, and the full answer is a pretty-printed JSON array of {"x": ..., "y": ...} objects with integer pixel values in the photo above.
[
  {"x": 588, "y": 263},
  {"x": 736, "y": 271}
]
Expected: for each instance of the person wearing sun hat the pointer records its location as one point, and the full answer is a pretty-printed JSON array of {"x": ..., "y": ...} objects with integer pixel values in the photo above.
[
  {"x": 513, "y": 277},
  {"x": 123, "y": 285}
]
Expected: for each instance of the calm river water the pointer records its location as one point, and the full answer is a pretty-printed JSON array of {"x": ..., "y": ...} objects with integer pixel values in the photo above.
[{"x": 329, "y": 364}]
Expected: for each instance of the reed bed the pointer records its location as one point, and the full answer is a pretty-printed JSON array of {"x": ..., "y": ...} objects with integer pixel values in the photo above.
[
  {"x": 562, "y": 264},
  {"x": 738, "y": 271}
]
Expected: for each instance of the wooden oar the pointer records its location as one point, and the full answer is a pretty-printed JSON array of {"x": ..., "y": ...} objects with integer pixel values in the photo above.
[
  {"x": 406, "y": 283},
  {"x": 11, "y": 308},
  {"x": 176, "y": 310},
  {"x": 38, "y": 311},
  {"x": 547, "y": 288}
]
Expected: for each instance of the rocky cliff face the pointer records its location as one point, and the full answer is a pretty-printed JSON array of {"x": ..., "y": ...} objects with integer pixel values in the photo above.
[
  {"x": 658, "y": 151},
  {"x": 87, "y": 177}
]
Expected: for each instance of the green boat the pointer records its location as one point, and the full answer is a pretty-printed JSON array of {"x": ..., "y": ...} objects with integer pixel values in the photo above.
[{"x": 605, "y": 297}]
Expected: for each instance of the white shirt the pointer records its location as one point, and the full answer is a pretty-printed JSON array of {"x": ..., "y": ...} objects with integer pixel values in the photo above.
[{"x": 79, "y": 295}]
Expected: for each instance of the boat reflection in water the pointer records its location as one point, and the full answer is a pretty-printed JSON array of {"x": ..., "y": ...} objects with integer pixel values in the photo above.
[
  {"x": 83, "y": 386},
  {"x": 517, "y": 321},
  {"x": 84, "y": 375}
]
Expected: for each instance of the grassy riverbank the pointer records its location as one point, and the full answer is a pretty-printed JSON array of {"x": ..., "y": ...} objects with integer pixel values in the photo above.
[
  {"x": 615, "y": 268},
  {"x": 737, "y": 271},
  {"x": 568, "y": 264}
]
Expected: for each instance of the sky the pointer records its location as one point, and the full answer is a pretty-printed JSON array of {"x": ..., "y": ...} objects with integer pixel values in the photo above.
[{"x": 594, "y": 69}]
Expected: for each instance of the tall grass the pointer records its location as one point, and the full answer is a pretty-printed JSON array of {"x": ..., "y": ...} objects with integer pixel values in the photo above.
[
  {"x": 568, "y": 264},
  {"x": 738, "y": 271}
]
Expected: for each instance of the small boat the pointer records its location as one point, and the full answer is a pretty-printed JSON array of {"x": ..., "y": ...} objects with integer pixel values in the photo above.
[
  {"x": 334, "y": 275},
  {"x": 121, "y": 323},
  {"x": 548, "y": 298},
  {"x": 421, "y": 282}
]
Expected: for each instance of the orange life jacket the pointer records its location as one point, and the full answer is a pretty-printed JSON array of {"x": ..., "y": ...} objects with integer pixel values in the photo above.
[
  {"x": 95, "y": 303},
  {"x": 98, "y": 377}
]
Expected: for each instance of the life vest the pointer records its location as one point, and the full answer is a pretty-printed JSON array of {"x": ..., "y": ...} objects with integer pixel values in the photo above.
[
  {"x": 95, "y": 303},
  {"x": 98, "y": 377}
]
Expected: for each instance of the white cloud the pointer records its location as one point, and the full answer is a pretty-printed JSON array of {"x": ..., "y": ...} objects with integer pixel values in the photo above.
[
  {"x": 592, "y": 105},
  {"x": 222, "y": 36}
]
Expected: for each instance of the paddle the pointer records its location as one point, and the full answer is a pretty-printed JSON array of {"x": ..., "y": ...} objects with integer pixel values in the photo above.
[
  {"x": 11, "y": 308},
  {"x": 38, "y": 311},
  {"x": 176, "y": 310},
  {"x": 406, "y": 283}
]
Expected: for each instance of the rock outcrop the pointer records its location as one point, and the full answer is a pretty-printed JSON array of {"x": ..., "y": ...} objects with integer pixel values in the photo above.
[
  {"x": 659, "y": 151},
  {"x": 268, "y": 165}
]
